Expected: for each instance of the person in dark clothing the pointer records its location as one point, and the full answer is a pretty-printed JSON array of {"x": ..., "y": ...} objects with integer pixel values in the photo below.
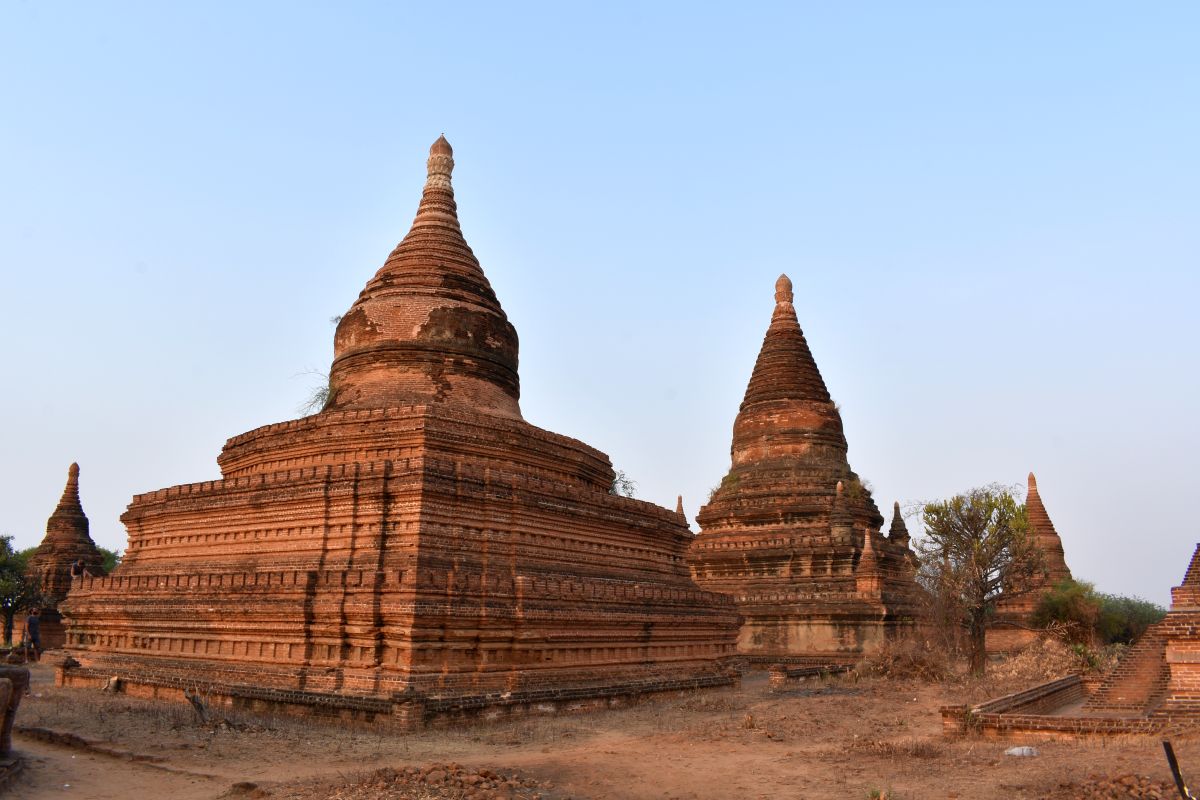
[{"x": 33, "y": 631}]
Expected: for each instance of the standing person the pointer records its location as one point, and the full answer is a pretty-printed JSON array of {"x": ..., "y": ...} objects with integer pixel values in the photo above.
[{"x": 33, "y": 630}]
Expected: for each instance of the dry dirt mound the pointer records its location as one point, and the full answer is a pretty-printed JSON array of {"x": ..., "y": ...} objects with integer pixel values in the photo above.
[
  {"x": 1119, "y": 788},
  {"x": 432, "y": 782}
]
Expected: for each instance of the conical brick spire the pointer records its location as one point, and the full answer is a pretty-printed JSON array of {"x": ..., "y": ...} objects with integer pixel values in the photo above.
[
  {"x": 428, "y": 329},
  {"x": 869, "y": 561},
  {"x": 1044, "y": 534},
  {"x": 679, "y": 506},
  {"x": 787, "y": 410},
  {"x": 788, "y": 451},
  {"x": 785, "y": 369},
  {"x": 1009, "y": 629},
  {"x": 782, "y": 531},
  {"x": 841, "y": 521},
  {"x": 67, "y": 540},
  {"x": 898, "y": 532},
  {"x": 868, "y": 577},
  {"x": 67, "y": 527}
]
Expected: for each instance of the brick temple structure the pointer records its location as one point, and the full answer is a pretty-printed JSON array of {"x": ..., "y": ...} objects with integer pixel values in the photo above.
[
  {"x": 66, "y": 548},
  {"x": 1155, "y": 687},
  {"x": 414, "y": 551},
  {"x": 1011, "y": 627},
  {"x": 791, "y": 533}
]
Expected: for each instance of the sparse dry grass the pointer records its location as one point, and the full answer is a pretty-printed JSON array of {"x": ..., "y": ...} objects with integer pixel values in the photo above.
[
  {"x": 840, "y": 736},
  {"x": 903, "y": 748}
]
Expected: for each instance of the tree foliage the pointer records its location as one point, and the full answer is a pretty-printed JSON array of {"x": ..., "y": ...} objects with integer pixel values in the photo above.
[
  {"x": 17, "y": 590},
  {"x": 977, "y": 545},
  {"x": 111, "y": 559}
]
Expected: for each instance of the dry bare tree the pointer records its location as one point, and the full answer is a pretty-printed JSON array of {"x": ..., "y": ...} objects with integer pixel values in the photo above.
[{"x": 977, "y": 546}]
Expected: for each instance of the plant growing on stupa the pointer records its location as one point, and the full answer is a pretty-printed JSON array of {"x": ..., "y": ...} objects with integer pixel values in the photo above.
[
  {"x": 623, "y": 485},
  {"x": 977, "y": 545}
]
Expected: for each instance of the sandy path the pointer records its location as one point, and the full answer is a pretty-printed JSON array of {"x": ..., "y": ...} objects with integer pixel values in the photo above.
[{"x": 57, "y": 771}]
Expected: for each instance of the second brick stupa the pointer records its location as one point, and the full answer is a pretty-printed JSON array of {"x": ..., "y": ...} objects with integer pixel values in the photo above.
[{"x": 791, "y": 533}]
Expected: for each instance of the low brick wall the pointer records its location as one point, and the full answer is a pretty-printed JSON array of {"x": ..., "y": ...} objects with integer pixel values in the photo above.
[
  {"x": 1036, "y": 700},
  {"x": 782, "y": 676},
  {"x": 404, "y": 712},
  {"x": 1024, "y": 714},
  {"x": 760, "y": 662}
]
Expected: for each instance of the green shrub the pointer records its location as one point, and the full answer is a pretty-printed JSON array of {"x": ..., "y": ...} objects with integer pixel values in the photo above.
[
  {"x": 1072, "y": 606},
  {"x": 1082, "y": 612},
  {"x": 1124, "y": 619}
]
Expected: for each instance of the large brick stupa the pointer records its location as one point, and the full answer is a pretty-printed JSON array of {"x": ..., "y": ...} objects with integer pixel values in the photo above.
[
  {"x": 67, "y": 548},
  {"x": 791, "y": 533},
  {"x": 416, "y": 548},
  {"x": 1011, "y": 628}
]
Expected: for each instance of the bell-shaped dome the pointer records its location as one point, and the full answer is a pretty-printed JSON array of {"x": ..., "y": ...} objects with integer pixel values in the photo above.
[
  {"x": 787, "y": 411},
  {"x": 428, "y": 328}
]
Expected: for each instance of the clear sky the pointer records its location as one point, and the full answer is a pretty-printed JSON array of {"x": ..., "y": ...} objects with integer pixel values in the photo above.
[{"x": 990, "y": 212}]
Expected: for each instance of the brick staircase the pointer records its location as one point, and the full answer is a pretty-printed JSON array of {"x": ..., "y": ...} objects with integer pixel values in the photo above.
[{"x": 1139, "y": 682}]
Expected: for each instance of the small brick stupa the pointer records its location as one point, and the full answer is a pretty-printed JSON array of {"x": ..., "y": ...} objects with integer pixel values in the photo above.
[
  {"x": 791, "y": 533},
  {"x": 1011, "y": 627},
  {"x": 414, "y": 550},
  {"x": 66, "y": 548}
]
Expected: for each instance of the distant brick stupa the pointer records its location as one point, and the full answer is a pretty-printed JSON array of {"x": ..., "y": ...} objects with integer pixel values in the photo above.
[
  {"x": 791, "y": 533},
  {"x": 66, "y": 547},
  {"x": 416, "y": 548},
  {"x": 1011, "y": 627}
]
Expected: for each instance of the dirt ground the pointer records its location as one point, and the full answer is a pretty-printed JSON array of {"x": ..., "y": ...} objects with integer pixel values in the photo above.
[{"x": 840, "y": 738}]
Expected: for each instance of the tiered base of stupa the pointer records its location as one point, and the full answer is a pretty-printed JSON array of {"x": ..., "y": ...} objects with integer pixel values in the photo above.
[
  {"x": 801, "y": 597},
  {"x": 400, "y": 565}
]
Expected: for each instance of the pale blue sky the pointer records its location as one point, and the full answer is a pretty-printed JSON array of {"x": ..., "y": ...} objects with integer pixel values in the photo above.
[{"x": 989, "y": 211}]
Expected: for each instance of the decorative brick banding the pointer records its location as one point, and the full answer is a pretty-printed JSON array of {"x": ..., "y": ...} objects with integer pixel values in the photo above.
[{"x": 416, "y": 549}]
